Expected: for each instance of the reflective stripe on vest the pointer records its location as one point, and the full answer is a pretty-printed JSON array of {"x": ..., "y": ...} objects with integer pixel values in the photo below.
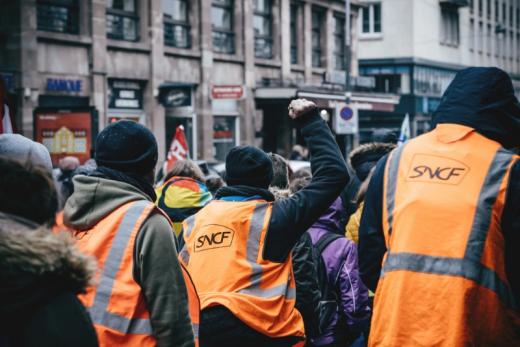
[
  {"x": 99, "y": 310},
  {"x": 253, "y": 244},
  {"x": 470, "y": 266}
]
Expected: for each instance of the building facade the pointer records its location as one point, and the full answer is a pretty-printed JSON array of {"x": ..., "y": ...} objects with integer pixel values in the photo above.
[
  {"x": 415, "y": 47},
  {"x": 224, "y": 69}
]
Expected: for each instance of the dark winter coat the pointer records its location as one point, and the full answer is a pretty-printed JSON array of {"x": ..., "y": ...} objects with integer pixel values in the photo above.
[
  {"x": 340, "y": 258},
  {"x": 40, "y": 275},
  {"x": 481, "y": 98}
]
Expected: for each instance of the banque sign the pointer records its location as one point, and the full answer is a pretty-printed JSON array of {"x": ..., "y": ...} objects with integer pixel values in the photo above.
[{"x": 63, "y": 85}]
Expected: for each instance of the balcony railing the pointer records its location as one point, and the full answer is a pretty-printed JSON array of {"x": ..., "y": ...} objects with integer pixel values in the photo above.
[
  {"x": 177, "y": 34},
  {"x": 122, "y": 26}
]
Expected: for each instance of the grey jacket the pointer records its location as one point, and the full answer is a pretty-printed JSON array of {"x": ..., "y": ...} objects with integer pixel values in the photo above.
[{"x": 156, "y": 266}]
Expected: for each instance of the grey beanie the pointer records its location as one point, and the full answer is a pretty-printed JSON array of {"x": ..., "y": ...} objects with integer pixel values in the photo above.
[{"x": 21, "y": 148}]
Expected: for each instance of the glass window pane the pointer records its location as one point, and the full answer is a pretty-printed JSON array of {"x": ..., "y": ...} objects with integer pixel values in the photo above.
[
  {"x": 377, "y": 18},
  {"x": 223, "y": 2},
  {"x": 224, "y": 136},
  {"x": 366, "y": 19},
  {"x": 176, "y": 9},
  {"x": 262, "y": 26},
  {"x": 262, "y": 6},
  {"x": 221, "y": 18}
]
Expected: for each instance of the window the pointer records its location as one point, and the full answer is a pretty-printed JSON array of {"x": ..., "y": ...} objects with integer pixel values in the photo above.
[
  {"x": 224, "y": 135},
  {"x": 222, "y": 22},
  {"x": 317, "y": 25},
  {"x": 450, "y": 26},
  {"x": 371, "y": 19},
  {"x": 58, "y": 16},
  {"x": 470, "y": 6},
  {"x": 122, "y": 20},
  {"x": 339, "y": 43},
  {"x": 471, "y": 39},
  {"x": 511, "y": 13},
  {"x": 497, "y": 8},
  {"x": 489, "y": 40},
  {"x": 176, "y": 23},
  {"x": 504, "y": 13},
  {"x": 294, "y": 34},
  {"x": 488, "y": 8},
  {"x": 480, "y": 4},
  {"x": 480, "y": 37},
  {"x": 263, "y": 27}
]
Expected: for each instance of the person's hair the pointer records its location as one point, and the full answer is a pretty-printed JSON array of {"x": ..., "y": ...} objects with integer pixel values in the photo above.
[
  {"x": 185, "y": 168},
  {"x": 299, "y": 183},
  {"x": 280, "y": 171},
  {"x": 304, "y": 172},
  {"x": 28, "y": 191},
  {"x": 214, "y": 183}
]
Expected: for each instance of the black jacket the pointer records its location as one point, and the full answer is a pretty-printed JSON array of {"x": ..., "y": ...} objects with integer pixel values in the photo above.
[
  {"x": 40, "y": 275},
  {"x": 482, "y": 98}
]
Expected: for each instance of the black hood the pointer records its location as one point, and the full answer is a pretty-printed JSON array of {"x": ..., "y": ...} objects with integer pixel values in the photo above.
[{"x": 484, "y": 99}]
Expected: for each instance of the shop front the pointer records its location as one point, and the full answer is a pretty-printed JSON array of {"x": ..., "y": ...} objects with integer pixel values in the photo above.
[
  {"x": 63, "y": 120},
  {"x": 125, "y": 101},
  {"x": 178, "y": 101},
  {"x": 226, "y": 118}
]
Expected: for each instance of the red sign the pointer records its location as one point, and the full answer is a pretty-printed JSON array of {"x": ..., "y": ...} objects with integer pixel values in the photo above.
[
  {"x": 65, "y": 134},
  {"x": 234, "y": 92}
]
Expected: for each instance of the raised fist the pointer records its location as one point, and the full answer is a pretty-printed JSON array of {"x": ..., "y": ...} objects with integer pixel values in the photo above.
[{"x": 299, "y": 107}]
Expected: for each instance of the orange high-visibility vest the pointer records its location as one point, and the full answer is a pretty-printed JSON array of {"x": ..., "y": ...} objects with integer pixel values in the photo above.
[
  {"x": 443, "y": 281},
  {"x": 116, "y": 303},
  {"x": 223, "y": 253}
]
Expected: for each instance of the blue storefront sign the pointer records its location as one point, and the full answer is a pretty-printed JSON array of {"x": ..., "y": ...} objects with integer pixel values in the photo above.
[
  {"x": 8, "y": 80},
  {"x": 63, "y": 85}
]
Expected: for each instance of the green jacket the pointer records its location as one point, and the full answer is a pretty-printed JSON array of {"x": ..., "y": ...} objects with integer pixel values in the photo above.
[{"x": 156, "y": 266}]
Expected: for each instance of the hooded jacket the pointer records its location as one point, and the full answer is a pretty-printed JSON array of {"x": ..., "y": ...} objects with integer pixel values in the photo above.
[
  {"x": 40, "y": 275},
  {"x": 340, "y": 258},
  {"x": 156, "y": 267},
  {"x": 181, "y": 197},
  {"x": 481, "y": 98}
]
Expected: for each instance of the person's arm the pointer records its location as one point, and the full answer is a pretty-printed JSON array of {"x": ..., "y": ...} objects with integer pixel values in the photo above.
[
  {"x": 291, "y": 217},
  {"x": 372, "y": 246},
  {"x": 157, "y": 270},
  {"x": 354, "y": 300},
  {"x": 511, "y": 230}
]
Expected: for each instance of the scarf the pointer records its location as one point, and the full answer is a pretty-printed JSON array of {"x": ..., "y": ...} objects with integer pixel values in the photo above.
[{"x": 131, "y": 178}]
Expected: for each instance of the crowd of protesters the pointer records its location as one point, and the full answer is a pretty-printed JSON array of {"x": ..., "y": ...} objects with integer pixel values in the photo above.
[{"x": 409, "y": 244}]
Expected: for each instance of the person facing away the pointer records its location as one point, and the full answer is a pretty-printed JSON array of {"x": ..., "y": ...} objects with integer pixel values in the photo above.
[
  {"x": 40, "y": 272},
  {"x": 237, "y": 248},
  {"x": 363, "y": 160},
  {"x": 304, "y": 267},
  {"x": 439, "y": 234},
  {"x": 345, "y": 312},
  {"x": 183, "y": 192},
  {"x": 140, "y": 298}
]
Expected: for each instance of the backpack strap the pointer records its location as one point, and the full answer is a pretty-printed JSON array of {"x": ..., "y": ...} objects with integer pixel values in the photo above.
[{"x": 326, "y": 240}]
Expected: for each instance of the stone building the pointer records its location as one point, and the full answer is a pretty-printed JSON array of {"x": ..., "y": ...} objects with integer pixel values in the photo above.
[
  {"x": 414, "y": 48},
  {"x": 224, "y": 69}
]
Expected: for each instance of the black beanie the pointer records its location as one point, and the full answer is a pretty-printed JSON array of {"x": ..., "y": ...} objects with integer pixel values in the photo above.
[
  {"x": 127, "y": 146},
  {"x": 248, "y": 166}
]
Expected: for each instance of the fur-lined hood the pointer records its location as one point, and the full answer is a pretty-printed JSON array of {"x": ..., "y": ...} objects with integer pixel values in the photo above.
[
  {"x": 36, "y": 264},
  {"x": 363, "y": 158}
]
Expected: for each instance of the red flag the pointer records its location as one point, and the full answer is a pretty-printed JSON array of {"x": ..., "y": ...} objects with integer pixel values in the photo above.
[
  {"x": 6, "y": 126},
  {"x": 178, "y": 149}
]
